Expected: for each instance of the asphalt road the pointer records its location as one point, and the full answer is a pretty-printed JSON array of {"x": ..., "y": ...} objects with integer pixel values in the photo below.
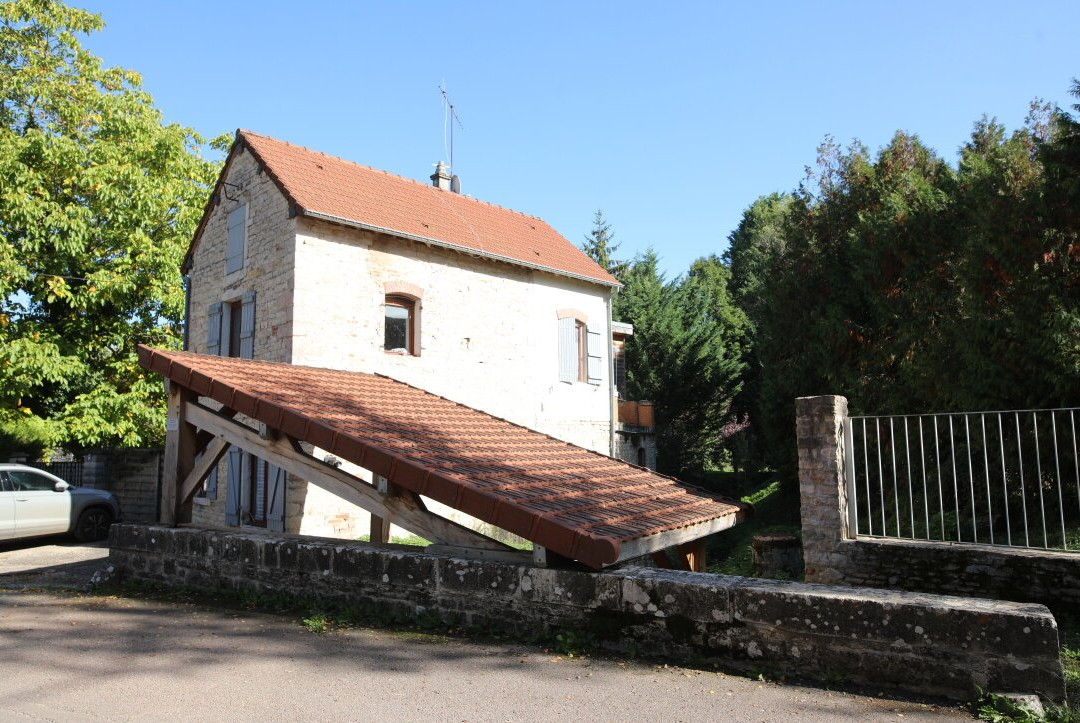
[
  {"x": 71, "y": 656},
  {"x": 50, "y": 562}
]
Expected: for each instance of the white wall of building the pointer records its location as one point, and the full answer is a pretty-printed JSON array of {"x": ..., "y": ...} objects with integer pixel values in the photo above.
[{"x": 488, "y": 331}]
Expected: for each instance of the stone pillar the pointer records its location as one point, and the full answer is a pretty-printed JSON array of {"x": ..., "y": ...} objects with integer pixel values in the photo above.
[{"x": 822, "y": 485}]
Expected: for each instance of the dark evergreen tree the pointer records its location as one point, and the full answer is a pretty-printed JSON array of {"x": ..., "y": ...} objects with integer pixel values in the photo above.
[{"x": 600, "y": 245}]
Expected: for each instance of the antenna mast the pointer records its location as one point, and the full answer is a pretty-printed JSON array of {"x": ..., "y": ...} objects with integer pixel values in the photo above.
[{"x": 453, "y": 117}]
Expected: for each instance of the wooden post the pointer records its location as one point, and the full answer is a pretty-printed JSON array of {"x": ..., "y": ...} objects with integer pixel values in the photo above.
[
  {"x": 180, "y": 443},
  {"x": 380, "y": 527},
  {"x": 692, "y": 555}
]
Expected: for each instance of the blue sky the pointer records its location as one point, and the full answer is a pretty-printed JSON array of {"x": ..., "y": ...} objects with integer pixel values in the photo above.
[{"x": 671, "y": 117}]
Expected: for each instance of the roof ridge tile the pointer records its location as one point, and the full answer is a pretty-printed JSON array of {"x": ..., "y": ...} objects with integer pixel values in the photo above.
[{"x": 398, "y": 176}]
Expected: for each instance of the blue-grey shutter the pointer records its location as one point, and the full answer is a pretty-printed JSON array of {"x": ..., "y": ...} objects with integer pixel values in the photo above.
[
  {"x": 234, "y": 253},
  {"x": 213, "y": 330},
  {"x": 275, "y": 504},
  {"x": 232, "y": 486},
  {"x": 596, "y": 353},
  {"x": 211, "y": 484},
  {"x": 247, "y": 326},
  {"x": 568, "y": 352}
]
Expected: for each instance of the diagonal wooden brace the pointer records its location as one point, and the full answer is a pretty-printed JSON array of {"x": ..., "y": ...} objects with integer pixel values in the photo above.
[
  {"x": 213, "y": 453},
  {"x": 402, "y": 510}
]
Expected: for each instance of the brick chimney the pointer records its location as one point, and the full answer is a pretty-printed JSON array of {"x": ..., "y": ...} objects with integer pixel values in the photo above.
[{"x": 441, "y": 177}]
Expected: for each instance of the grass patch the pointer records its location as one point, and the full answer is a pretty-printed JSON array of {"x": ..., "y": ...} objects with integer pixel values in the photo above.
[
  {"x": 317, "y": 623},
  {"x": 417, "y": 541},
  {"x": 410, "y": 539},
  {"x": 776, "y": 510}
]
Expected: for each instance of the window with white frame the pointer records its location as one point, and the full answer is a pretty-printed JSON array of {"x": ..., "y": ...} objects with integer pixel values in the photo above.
[{"x": 580, "y": 348}]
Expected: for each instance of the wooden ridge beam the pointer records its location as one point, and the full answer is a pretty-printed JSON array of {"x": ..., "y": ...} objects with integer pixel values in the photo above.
[{"x": 401, "y": 510}]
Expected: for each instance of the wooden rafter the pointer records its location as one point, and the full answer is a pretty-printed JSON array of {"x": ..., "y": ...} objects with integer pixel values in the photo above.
[
  {"x": 676, "y": 538},
  {"x": 404, "y": 510}
]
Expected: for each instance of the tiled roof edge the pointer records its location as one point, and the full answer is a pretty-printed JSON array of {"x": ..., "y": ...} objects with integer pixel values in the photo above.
[
  {"x": 455, "y": 247},
  {"x": 373, "y": 169}
]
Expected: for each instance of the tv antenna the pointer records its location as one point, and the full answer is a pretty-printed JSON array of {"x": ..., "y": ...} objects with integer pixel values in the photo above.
[{"x": 449, "y": 114}]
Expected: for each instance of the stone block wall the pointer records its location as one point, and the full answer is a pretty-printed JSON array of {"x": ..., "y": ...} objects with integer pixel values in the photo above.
[
  {"x": 833, "y": 555},
  {"x": 133, "y": 475},
  {"x": 628, "y": 444},
  {"x": 918, "y": 644}
]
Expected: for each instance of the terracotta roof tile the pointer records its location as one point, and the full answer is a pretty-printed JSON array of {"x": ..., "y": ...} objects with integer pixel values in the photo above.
[
  {"x": 575, "y": 502},
  {"x": 323, "y": 185}
]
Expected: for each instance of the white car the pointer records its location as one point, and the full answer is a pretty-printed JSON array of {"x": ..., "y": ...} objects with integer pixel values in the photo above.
[{"x": 35, "y": 503}]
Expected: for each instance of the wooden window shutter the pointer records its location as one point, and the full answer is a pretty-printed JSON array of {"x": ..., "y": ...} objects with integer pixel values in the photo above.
[
  {"x": 596, "y": 354},
  {"x": 234, "y": 252},
  {"x": 568, "y": 351},
  {"x": 211, "y": 484},
  {"x": 213, "y": 330},
  {"x": 234, "y": 462},
  {"x": 247, "y": 327},
  {"x": 275, "y": 503}
]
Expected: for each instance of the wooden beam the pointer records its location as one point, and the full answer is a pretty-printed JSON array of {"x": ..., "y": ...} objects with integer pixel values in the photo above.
[
  {"x": 380, "y": 527},
  {"x": 673, "y": 538},
  {"x": 399, "y": 510},
  {"x": 512, "y": 556},
  {"x": 213, "y": 453},
  {"x": 692, "y": 555},
  {"x": 180, "y": 443}
]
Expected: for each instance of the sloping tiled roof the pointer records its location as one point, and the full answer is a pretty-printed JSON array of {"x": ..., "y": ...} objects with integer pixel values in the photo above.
[
  {"x": 575, "y": 502},
  {"x": 332, "y": 188}
]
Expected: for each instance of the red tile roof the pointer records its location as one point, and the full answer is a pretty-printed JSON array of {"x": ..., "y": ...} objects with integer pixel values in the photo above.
[
  {"x": 575, "y": 502},
  {"x": 332, "y": 188}
]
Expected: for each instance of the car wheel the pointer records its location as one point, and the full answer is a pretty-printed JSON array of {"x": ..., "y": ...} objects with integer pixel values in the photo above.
[{"x": 93, "y": 525}]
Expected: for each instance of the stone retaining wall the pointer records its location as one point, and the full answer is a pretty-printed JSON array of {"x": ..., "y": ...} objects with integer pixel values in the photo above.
[
  {"x": 951, "y": 568},
  {"x": 906, "y": 642}
]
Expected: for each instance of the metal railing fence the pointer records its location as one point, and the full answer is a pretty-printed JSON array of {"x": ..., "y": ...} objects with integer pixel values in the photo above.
[
  {"x": 70, "y": 472},
  {"x": 999, "y": 478}
]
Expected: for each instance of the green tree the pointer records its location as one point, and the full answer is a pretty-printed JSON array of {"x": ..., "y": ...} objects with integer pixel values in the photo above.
[
  {"x": 685, "y": 355},
  {"x": 98, "y": 200},
  {"x": 910, "y": 285},
  {"x": 600, "y": 246},
  {"x": 755, "y": 248}
]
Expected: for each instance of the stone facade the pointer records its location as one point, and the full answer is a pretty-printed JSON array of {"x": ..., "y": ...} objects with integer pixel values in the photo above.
[
  {"x": 636, "y": 447},
  {"x": 910, "y": 643},
  {"x": 269, "y": 262},
  {"x": 833, "y": 555},
  {"x": 487, "y": 330}
]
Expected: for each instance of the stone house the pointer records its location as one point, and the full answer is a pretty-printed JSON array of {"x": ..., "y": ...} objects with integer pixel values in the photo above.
[{"x": 309, "y": 259}]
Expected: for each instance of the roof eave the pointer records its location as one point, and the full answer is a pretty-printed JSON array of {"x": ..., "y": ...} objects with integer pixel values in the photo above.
[{"x": 452, "y": 246}]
